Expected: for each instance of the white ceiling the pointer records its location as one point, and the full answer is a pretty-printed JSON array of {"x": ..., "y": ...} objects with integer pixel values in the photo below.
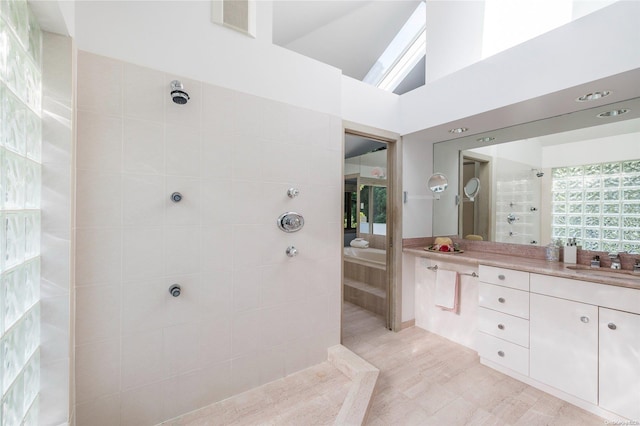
[{"x": 349, "y": 35}]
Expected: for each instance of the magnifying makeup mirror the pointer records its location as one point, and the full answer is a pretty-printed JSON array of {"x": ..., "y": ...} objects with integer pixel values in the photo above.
[
  {"x": 472, "y": 188},
  {"x": 437, "y": 183}
]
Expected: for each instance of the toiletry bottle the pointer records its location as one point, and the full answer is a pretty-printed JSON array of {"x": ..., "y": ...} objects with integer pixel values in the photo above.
[
  {"x": 595, "y": 262},
  {"x": 571, "y": 251},
  {"x": 552, "y": 253}
]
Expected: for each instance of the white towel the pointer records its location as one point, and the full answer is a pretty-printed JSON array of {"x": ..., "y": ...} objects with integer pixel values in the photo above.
[
  {"x": 360, "y": 243},
  {"x": 447, "y": 290}
]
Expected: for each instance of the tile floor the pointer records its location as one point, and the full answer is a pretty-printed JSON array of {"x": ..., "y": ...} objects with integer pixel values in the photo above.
[{"x": 424, "y": 380}]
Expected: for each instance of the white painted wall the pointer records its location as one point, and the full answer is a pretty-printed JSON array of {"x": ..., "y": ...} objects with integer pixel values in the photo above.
[
  {"x": 454, "y": 36},
  {"x": 594, "y": 151},
  {"x": 364, "y": 104},
  {"x": 557, "y": 60},
  {"x": 178, "y": 37}
]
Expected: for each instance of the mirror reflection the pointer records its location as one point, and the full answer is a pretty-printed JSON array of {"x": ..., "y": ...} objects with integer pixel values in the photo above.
[
  {"x": 582, "y": 184},
  {"x": 472, "y": 188},
  {"x": 437, "y": 183}
]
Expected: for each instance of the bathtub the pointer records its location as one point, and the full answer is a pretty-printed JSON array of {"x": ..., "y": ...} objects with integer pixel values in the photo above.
[{"x": 371, "y": 257}]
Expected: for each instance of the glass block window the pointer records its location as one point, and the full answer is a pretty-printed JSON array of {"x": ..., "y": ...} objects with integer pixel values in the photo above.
[
  {"x": 20, "y": 179},
  {"x": 598, "y": 204}
]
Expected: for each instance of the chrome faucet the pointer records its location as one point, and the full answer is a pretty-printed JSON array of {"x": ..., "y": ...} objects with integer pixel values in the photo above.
[{"x": 615, "y": 260}]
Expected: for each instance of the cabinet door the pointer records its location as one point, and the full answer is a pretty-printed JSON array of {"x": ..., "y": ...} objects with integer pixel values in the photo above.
[
  {"x": 620, "y": 363},
  {"x": 564, "y": 345}
]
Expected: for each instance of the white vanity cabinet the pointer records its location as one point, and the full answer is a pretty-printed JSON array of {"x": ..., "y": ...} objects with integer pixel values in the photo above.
[
  {"x": 503, "y": 317},
  {"x": 564, "y": 345},
  {"x": 619, "y": 362}
]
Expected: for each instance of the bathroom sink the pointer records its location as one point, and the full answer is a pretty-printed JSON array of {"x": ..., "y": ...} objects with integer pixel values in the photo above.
[{"x": 604, "y": 272}]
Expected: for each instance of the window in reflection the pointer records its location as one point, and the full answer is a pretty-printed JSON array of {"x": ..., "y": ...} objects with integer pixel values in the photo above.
[{"x": 598, "y": 204}]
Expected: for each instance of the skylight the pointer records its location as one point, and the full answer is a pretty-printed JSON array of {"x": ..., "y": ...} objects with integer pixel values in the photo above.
[{"x": 403, "y": 53}]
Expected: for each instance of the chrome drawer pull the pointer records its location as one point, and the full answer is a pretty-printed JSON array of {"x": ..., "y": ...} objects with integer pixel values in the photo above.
[
  {"x": 501, "y": 277},
  {"x": 501, "y": 299},
  {"x": 612, "y": 326},
  {"x": 501, "y": 354},
  {"x": 501, "y": 326}
]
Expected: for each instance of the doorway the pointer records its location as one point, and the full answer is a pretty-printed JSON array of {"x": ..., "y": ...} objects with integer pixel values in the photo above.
[
  {"x": 368, "y": 269},
  {"x": 475, "y": 213}
]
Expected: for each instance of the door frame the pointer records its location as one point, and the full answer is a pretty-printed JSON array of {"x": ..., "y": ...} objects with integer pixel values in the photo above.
[{"x": 394, "y": 217}]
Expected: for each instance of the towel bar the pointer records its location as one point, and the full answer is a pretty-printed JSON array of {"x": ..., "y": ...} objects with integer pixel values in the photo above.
[{"x": 434, "y": 268}]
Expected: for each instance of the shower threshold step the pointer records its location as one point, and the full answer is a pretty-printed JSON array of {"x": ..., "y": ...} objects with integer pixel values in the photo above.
[{"x": 367, "y": 288}]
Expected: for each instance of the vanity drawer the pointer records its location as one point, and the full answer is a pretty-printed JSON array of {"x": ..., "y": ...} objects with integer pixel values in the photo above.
[
  {"x": 503, "y": 299},
  {"x": 504, "y": 326},
  {"x": 505, "y": 353},
  {"x": 504, "y": 277}
]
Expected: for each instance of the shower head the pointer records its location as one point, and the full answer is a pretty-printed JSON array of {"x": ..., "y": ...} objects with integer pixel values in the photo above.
[
  {"x": 539, "y": 173},
  {"x": 178, "y": 95}
]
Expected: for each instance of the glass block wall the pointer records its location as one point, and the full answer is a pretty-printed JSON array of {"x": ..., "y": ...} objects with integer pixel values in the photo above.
[
  {"x": 599, "y": 205},
  {"x": 20, "y": 151}
]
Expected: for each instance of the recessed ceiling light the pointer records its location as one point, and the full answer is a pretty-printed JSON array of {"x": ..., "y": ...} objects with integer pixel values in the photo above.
[
  {"x": 458, "y": 130},
  {"x": 486, "y": 139},
  {"x": 593, "y": 96},
  {"x": 613, "y": 113}
]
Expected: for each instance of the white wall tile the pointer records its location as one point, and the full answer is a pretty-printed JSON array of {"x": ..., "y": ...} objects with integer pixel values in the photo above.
[
  {"x": 187, "y": 211},
  {"x": 272, "y": 326},
  {"x": 190, "y": 306},
  {"x": 247, "y": 156},
  {"x": 181, "y": 352},
  {"x": 183, "y": 145},
  {"x": 272, "y": 364},
  {"x": 245, "y": 196},
  {"x": 97, "y": 370},
  {"x": 97, "y": 313},
  {"x": 218, "y": 379},
  {"x": 149, "y": 404},
  {"x": 189, "y": 114},
  {"x": 54, "y": 393},
  {"x": 143, "y": 306},
  {"x": 99, "y": 141},
  {"x": 217, "y": 150},
  {"x": 246, "y": 289},
  {"x": 144, "y": 93},
  {"x": 182, "y": 250},
  {"x": 99, "y": 412},
  {"x": 215, "y": 294},
  {"x": 142, "y": 356},
  {"x": 98, "y": 199},
  {"x": 54, "y": 262},
  {"x": 98, "y": 256},
  {"x": 143, "y": 200},
  {"x": 246, "y": 331},
  {"x": 143, "y": 146},
  {"x": 216, "y": 243},
  {"x": 245, "y": 372},
  {"x": 215, "y": 343},
  {"x": 143, "y": 253},
  {"x": 56, "y": 198},
  {"x": 246, "y": 309},
  {"x": 99, "y": 83}
]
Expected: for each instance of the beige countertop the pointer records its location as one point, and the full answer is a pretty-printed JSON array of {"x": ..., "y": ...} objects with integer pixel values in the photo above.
[{"x": 544, "y": 267}]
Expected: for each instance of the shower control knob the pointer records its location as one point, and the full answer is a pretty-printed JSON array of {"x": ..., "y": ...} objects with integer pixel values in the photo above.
[
  {"x": 290, "y": 222},
  {"x": 292, "y": 251},
  {"x": 176, "y": 197},
  {"x": 175, "y": 290}
]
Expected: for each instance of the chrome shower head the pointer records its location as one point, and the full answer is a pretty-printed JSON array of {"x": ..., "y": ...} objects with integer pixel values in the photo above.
[{"x": 178, "y": 95}]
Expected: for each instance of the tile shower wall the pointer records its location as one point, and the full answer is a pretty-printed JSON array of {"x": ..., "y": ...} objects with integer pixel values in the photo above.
[
  {"x": 518, "y": 193},
  {"x": 248, "y": 314}
]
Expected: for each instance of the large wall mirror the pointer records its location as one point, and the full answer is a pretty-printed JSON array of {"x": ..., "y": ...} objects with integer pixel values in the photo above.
[{"x": 573, "y": 175}]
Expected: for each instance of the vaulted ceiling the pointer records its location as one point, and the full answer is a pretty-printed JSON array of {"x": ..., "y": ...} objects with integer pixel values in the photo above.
[{"x": 349, "y": 35}]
